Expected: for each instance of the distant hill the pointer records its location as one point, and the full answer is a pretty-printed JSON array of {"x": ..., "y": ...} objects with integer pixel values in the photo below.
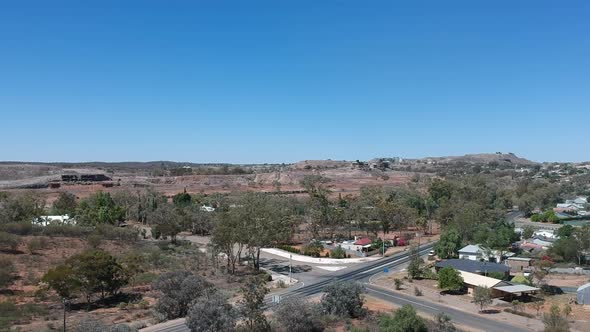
[{"x": 485, "y": 158}]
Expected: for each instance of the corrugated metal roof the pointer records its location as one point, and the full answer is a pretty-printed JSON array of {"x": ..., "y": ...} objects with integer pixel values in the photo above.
[
  {"x": 473, "y": 266},
  {"x": 479, "y": 280},
  {"x": 583, "y": 286},
  {"x": 472, "y": 248},
  {"x": 517, "y": 289}
]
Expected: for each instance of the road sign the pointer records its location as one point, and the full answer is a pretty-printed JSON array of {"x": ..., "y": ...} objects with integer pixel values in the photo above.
[{"x": 385, "y": 270}]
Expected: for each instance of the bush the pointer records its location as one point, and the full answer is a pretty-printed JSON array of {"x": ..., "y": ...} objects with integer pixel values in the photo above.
[
  {"x": 9, "y": 241},
  {"x": 6, "y": 272},
  {"x": 313, "y": 249},
  {"x": 404, "y": 319},
  {"x": 520, "y": 313},
  {"x": 144, "y": 278},
  {"x": 297, "y": 315},
  {"x": 211, "y": 313},
  {"x": 289, "y": 249},
  {"x": 398, "y": 283},
  {"x": 94, "y": 240},
  {"x": 178, "y": 290},
  {"x": 36, "y": 243},
  {"x": 497, "y": 275},
  {"x": 338, "y": 253},
  {"x": 20, "y": 228},
  {"x": 344, "y": 299},
  {"x": 417, "y": 291}
]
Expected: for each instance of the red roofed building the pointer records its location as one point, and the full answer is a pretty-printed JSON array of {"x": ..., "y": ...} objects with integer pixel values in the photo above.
[{"x": 363, "y": 242}]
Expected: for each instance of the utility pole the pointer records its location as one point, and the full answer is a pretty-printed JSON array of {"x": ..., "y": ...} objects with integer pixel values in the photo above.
[
  {"x": 383, "y": 244},
  {"x": 65, "y": 303},
  {"x": 290, "y": 255}
]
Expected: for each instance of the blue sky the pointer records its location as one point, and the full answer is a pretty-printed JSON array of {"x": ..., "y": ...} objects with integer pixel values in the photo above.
[{"x": 281, "y": 81}]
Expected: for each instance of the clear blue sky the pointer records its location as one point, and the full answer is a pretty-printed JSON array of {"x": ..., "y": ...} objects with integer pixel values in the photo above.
[{"x": 281, "y": 81}]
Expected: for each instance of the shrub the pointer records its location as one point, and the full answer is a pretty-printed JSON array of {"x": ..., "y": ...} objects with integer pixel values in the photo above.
[
  {"x": 297, "y": 315},
  {"x": 211, "y": 313},
  {"x": 344, "y": 299},
  {"x": 94, "y": 240},
  {"x": 178, "y": 290},
  {"x": 6, "y": 272},
  {"x": 289, "y": 249},
  {"x": 9, "y": 241},
  {"x": 36, "y": 243},
  {"x": 313, "y": 249},
  {"x": 497, "y": 275},
  {"x": 403, "y": 319},
  {"x": 519, "y": 313},
  {"x": 20, "y": 228},
  {"x": 417, "y": 291},
  {"x": 338, "y": 253},
  {"x": 398, "y": 283}
]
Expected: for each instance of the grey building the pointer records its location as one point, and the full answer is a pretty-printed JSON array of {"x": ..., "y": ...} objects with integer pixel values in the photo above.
[{"x": 583, "y": 294}]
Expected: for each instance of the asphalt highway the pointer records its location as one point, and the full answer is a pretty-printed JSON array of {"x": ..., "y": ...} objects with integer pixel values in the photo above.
[{"x": 362, "y": 274}]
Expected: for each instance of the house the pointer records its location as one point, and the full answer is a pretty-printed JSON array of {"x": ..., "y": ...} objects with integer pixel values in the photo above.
[
  {"x": 471, "y": 266},
  {"x": 583, "y": 294},
  {"x": 519, "y": 264},
  {"x": 545, "y": 233},
  {"x": 545, "y": 243},
  {"x": 54, "y": 220},
  {"x": 473, "y": 280},
  {"x": 472, "y": 252},
  {"x": 360, "y": 244},
  {"x": 499, "y": 287},
  {"x": 475, "y": 252}
]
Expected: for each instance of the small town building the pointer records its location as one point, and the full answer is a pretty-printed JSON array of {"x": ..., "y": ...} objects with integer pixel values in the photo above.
[
  {"x": 481, "y": 268},
  {"x": 519, "y": 264},
  {"x": 583, "y": 294},
  {"x": 54, "y": 220},
  {"x": 499, "y": 288},
  {"x": 471, "y": 252}
]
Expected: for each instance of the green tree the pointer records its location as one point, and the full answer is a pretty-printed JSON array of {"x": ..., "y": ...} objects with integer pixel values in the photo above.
[
  {"x": 182, "y": 200},
  {"x": 565, "y": 231},
  {"x": 344, "y": 299},
  {"x": 252, "y": 305},
  {"x": 100, "y": 208},
  {"x": 296, "y": 315},
  {"x": 63, "y": 281},
  {"x": 449, "y": 279},
  {"x": 178, "y": 290},
  {"x": 482, "y": 296},
  {"x": 449, "y": 244},
  {"x": 405, "y": 319},
  {"x": 211, "y": 313},
  {"x": 97, "y": 272},
  {"x": 527, "y": 232},
  {"x": 65, "y": 204},
  {"x": 166, "y": 221},
  {"x": 415, "y": 265}
]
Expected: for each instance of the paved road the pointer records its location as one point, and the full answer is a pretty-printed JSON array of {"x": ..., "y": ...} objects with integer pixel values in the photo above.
[{"x": 362, "y": 274}]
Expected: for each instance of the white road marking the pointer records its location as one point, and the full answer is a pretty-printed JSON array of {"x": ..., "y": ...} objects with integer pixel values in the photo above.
[{"x": 331, "y": 268}]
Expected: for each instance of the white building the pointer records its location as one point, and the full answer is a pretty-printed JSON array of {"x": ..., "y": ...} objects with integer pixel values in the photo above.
[{"x": 54, "y": 220}]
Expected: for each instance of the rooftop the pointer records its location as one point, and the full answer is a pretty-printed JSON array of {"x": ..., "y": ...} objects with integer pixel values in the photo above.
[
  {"x": 473, "y": 266},
  {"x": 472, "y": 248},
  {"x": 481, "y": 281},
  {"x": 517, "y": 289}
]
